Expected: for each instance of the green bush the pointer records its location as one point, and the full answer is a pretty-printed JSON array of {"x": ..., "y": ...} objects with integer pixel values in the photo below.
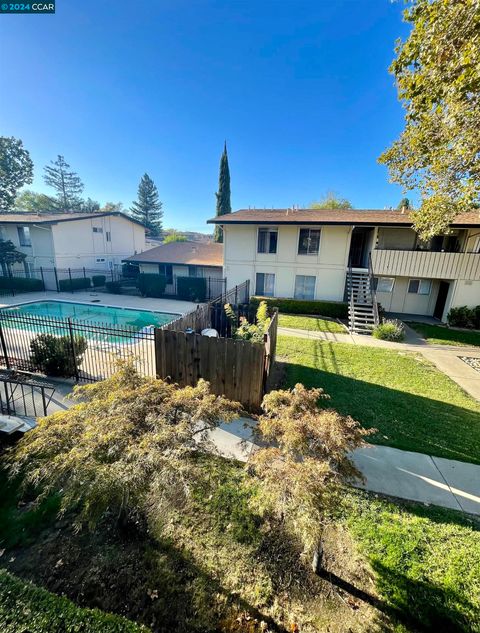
[
  {"x": 79, "y": 283},
  {"x": 115, "y": 287},
  {"x": 130, "y": 270},
  {"x": 389, "y": 330},
  {"x": 52, "y": 355},
  {"x": 464, "y": 316},
  {"x": 332, "y": 309},
  {"x": 27, "y": 608},
  {"x": 21, "y": 284},
  {"x": 98, "y": 280},
  {"x": 151, "y": 285},
  {"x": 192, "y": 288}
]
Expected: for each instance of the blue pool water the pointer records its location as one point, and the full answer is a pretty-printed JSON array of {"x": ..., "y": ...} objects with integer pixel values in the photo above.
[{"x": 92, "y": 313}]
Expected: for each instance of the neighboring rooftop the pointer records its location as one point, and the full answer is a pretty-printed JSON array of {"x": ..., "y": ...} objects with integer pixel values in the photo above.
[
  {"x": 53, "y": 218},
  {"x": 331, "y": 216},
  {"x": 193, "y": 253}
]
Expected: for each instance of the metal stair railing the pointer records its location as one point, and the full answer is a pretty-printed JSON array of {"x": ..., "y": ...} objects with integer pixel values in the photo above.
[{"x": 376, "y": 316}]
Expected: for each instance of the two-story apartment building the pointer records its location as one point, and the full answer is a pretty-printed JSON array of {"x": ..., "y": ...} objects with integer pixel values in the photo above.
[
  {"x": 310, "y": 253},
  {"x": 73, "y": 240}
]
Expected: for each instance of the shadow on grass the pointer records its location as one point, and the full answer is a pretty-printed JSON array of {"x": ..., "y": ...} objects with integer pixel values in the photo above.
[{"x": 406, "y": 421}]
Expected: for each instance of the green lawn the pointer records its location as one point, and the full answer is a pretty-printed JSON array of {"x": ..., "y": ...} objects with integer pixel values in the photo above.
[
  {"x": 441, "y": 335},
  {"x": 426, "y": 561},
  {"x": 310, "y": 323},
  {"x": 412, "y": 404}
]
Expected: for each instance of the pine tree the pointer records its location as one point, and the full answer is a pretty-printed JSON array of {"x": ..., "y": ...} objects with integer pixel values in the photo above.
[
  {"x": 66, "y": 183},
  {"x": 404, "y": 204},
  {"x": 223, "y": 195},
  {"x": 148, "y": 208}
]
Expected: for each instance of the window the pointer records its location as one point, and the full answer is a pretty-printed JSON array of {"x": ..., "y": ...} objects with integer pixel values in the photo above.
[
  {"x": 305, "y": 287},
  {"x": 384, "y": 284},
  {"x": 167, "y": 270},
  {"x": 100, "y": 260},
  {"x": 108, "y": 236},
  {"x": 309, "y": 242},
  {"x": 265, "y": 286},
  {"x": 267, "y": 240},
  {"x": 97, "y": 229},
  {"x": 29, "y": 269},
  {"x": 419, "y": 286},
  {"x": 24, "y": 236}
]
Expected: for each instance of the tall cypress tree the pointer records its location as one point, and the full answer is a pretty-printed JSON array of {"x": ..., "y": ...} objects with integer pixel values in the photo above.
[
  {"x": 223, "y": 195},
  {"x": 148, "y": 208}
]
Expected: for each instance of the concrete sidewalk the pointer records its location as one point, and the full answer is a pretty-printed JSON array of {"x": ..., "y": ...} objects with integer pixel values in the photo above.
[
  {"x": 413, "y": 476},
  {"x": 445, "y": 357}
]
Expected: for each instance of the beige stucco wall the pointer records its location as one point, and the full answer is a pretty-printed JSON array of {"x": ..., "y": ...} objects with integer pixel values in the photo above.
[
  {"x": 241, "y": 260},
  {"x": 400, "y": 300},
  {"x": 76, "y": 245}
]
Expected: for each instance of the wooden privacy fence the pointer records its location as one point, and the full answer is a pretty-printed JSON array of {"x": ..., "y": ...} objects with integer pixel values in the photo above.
[{"x": 235, "y": 368}]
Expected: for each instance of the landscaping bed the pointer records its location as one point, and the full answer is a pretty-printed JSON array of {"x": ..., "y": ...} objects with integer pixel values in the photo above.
[
  {"x": 414, "y": 406},
  {"x": 442, "y": 335}
]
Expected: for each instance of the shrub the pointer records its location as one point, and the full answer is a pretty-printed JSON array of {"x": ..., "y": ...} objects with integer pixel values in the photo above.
[
  {"x": 131, "y": 271},
  {"x": 151, "y": 285},
  {"x": 53, "y": 355},
  {"x": 333, "y": 309},
  {"x": 242, "y": 329},
  {"x": 389, "y": 330},
  {"x": 192, "y": 288},
  {"x": 25, "y": 607},
  {"x": 21, "y": 284},
  {"x": 115, "y": 287},
  {"x": 98, "y": 280},
  {"x": 464, "y": 316},
  {"x": 69, "y": 285}
]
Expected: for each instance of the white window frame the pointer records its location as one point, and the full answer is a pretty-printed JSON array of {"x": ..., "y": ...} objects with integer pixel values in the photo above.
[
  {"x": 24, "y": 236},
  {"x": 97, "y": 229},
  {"x": 314, "y": 288},
  {"x": 309, "y": 228},
  {"x": 256, "y": 284},
  {"x": 269, "y": 229},
  {"x": 384, "y": 279},
  {"x": 421, "y": 282}
]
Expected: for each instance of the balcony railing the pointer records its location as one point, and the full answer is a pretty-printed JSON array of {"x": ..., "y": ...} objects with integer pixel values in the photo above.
[{"x": 426, "y": 264}]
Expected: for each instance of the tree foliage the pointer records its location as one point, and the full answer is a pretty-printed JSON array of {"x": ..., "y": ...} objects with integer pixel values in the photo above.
[
  {"x": 66, "y": 183},
  {"x": 404, "y": 204},
  {"x": 223, "y": 194},
  {"x": 437, "y": 71},
  {"x": 109, "y": 207},
  {"x": 126, "y": 449},
  {"x": 174, "y": 236},
  {"x": 89, "y": 206},
  {"x": 242, "y": 329},
  {"x": 16, "y": 170},
  {"x": 148, "y": 208},
  {"x": 33, "y": 202},
  {"x": 331, "y": 200},
  {"x": 305, "y": 460},
  {"x": 9, "y": 255}
]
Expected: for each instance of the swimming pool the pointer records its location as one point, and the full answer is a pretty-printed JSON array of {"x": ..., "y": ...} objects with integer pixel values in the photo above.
[{"x": 92, "y": 314}]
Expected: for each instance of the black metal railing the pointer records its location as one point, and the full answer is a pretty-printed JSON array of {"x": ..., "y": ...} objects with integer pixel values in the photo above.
[
  {"x": 23, "y": 396},
  {"x": 373, "y": 293}
]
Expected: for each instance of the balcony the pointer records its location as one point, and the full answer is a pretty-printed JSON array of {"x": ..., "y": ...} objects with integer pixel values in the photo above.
[{"x": 426, "y": 264}]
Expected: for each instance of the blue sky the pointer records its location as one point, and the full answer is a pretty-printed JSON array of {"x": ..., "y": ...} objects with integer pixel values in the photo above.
[{"x": 300, "y": 90}]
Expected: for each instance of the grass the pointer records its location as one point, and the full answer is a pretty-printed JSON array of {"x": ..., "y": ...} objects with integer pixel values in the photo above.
[
  {"x": 441, "y": 335},
  {"x": 413, "y": 405},
  {"x": 315, "y": 324},
  {"x": 26, "y": 608},
  {"x": 426, "y": 561}
]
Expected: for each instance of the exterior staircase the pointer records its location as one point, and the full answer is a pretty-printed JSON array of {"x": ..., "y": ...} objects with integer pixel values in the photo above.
[{"x": 362, "y": 302}]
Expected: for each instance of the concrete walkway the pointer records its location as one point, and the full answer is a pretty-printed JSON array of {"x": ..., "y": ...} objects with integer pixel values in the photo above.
[
  {"x": 445, "y": 357},
  {"x": 414, "y": 476}
]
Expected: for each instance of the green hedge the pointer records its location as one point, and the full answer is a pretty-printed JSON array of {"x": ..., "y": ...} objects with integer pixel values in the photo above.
[
  {"x": 69, "y": 285},
  {"x": 27, "y": 608},
  {"x": 151, "y": 285},
  {"x": 464, "y": 316},
  {"x": 333, "y": 309},
  {"x": 115, "y": 287},
  {"x": 98, "y": 280},
  {"x": 21, "y": 284},
  {"x": 192, "y": 288}
]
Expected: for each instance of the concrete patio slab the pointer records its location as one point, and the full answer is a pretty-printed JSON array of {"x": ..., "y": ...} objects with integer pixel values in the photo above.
[
  {"x": 404, "y": 474},
  {"x": 464, "y": 482}
]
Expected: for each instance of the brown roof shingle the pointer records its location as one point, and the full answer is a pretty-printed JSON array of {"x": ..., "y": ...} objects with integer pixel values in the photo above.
[
  {"x": 193, "y": 253},
  {"x": 331, "y": 216}
]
